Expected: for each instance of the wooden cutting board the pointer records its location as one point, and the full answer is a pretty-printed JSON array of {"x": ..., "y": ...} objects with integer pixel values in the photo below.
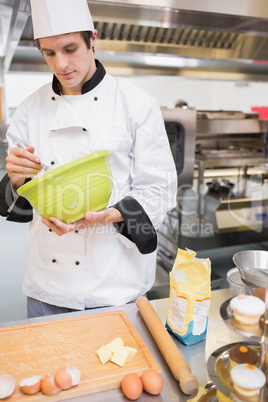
[{"x": 45, "y": 347}]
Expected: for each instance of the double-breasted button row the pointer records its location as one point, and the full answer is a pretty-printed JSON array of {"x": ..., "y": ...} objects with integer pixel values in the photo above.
[
  {"x": 75, "y": 231},
  {"x": 54, "y": 261},
  {"x": 95, "y": 98}
]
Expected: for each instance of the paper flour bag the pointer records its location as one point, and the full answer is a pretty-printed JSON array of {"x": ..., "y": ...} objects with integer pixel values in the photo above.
[{"x": 189, "y": 299}]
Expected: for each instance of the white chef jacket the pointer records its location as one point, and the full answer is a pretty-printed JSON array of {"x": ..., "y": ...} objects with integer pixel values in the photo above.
[{"x": 97, "y": 266}]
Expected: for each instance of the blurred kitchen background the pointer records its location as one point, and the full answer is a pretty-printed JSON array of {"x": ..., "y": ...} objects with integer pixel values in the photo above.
[{"x": 211, "y": 54}]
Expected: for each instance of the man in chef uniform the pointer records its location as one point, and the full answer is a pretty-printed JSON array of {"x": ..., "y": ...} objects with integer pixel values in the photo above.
[{"x": 109, "y": 257}]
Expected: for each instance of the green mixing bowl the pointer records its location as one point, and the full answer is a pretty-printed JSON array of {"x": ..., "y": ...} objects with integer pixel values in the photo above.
[{"x": 70, "y": 190}]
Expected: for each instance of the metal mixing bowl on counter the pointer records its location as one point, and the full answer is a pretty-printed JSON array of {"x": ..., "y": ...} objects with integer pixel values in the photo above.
[
  {"x": 236, "y": 285},
  {"x": 253, "y": 267}
]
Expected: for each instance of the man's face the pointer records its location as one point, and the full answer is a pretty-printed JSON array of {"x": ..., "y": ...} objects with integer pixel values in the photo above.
[{"x": 70, "y": 60}]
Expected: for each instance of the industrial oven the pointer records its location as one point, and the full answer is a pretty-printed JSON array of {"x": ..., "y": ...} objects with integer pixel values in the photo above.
[{"x": 222, "y": 166}]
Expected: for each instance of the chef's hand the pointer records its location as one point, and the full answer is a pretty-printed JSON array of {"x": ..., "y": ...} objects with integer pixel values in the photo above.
[
  {"x": 102, "y": 217},
  {"x": 21, "y": 164}
]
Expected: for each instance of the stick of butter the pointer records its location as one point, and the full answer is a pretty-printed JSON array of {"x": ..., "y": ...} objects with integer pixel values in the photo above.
[
  {"x": 115, "y": 344},
  {"x": 106, "y": 352},
  {"x": 123, "y": 354}
]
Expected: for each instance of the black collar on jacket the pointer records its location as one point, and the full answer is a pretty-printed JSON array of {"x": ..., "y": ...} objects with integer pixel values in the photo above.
[{"x": 88, "y": 85}]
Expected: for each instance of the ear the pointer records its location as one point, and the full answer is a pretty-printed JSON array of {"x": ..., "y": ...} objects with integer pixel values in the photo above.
[{"x": 94, "y": 37}]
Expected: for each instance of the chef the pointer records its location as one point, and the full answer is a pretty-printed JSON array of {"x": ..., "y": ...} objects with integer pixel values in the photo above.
[{"x": 109, "y": 257}]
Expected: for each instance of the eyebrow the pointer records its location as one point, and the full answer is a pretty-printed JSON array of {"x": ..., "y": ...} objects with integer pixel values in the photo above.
[{"x": 64, "y": 47}]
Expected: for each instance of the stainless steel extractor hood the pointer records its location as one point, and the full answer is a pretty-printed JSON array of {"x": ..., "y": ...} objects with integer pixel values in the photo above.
[{"x": 211, "y": 39}]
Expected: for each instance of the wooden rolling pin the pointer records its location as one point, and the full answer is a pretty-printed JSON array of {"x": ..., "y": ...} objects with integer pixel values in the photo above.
[{"x": 168, "y": 348}]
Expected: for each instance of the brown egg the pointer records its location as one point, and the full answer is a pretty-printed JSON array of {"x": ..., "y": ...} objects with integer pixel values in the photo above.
[
  {"x": 32, "y": 385},
  {"x": 48, "y": 386},
  {"x": 62, "y": 379},
  {"x": 152, "y": 381},
  {"x": 132, "y": 386},
  {"x": 67, "y": 377}
]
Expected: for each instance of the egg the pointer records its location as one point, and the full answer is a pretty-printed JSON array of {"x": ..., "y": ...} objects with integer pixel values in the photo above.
[
  {"x": 7, "y": 385},
  {"x": 132, "y": 386},
  {"x": 32, "y": 385},
  {"x": 48, "y": 386},
  {"x": 67, "y": 377},
  {"x": 152, "y": 381}
]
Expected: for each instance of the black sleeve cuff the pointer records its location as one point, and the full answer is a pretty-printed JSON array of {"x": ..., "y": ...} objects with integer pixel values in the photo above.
[
  {"x": 137, "y": 226},
  {"x": 21, "y": 211}
]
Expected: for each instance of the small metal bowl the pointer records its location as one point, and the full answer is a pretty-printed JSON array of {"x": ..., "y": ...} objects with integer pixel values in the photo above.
[{"x": 253, "y": 267}]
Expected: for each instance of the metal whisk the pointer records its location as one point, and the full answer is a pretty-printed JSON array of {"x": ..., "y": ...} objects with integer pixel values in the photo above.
[{"x": 18, "y": 144}]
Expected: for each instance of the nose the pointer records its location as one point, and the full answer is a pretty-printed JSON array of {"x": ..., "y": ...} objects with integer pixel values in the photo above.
[{"x": 61, "y": 61}]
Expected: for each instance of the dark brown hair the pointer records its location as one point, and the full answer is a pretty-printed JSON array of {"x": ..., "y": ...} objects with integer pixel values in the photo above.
[{"x": 85, "y": 34}]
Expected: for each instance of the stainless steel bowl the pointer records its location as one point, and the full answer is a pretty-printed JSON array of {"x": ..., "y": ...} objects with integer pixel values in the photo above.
[
  {"x": 253, "y": 267},
  {"x": 235, "y": 282}
]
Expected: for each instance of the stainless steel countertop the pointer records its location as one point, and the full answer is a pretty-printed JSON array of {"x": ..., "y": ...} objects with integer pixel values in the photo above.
[{"x": 218, "y": 335}]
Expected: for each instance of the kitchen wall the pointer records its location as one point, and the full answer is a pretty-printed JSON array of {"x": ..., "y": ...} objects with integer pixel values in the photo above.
[
  {"x": 204, "y": 94},
  {"x": 201, "y": 94}
]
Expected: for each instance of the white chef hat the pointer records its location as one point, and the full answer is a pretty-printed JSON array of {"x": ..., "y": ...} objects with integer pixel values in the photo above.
[{"x": 56, "y": 17}]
